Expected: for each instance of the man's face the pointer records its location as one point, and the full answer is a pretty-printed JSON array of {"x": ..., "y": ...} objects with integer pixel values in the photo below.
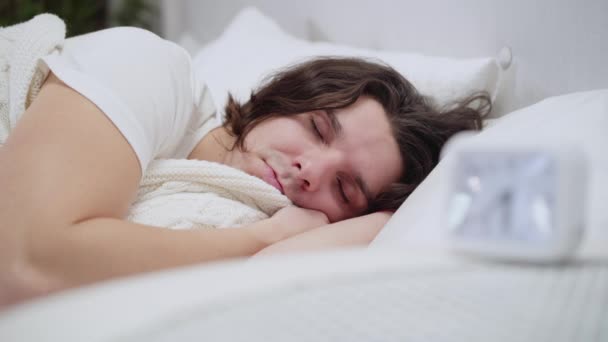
[{"x": 331, "y": 162}]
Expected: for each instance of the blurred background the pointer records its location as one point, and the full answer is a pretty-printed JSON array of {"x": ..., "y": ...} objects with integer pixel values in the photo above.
[
  {"x": 83, "y": 16},
  {"x": 558, "y": 46}
]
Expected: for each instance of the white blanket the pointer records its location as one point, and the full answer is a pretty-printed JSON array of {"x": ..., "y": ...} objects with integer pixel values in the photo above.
[
  {"x": 178, "y": 194},
  {"x": 20, "y": 48}
]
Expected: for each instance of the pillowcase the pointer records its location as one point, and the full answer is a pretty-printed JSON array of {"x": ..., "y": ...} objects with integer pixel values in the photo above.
[
  {"x": 578, "y": 118},
  {"x": 253, "y": 46}
]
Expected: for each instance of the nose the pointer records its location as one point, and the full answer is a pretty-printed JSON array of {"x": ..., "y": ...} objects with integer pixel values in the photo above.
[{"x": 318, "y": 169}]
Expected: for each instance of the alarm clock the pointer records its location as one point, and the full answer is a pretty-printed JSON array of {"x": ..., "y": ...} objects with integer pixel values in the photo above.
[{"x": 515, "y": 200}]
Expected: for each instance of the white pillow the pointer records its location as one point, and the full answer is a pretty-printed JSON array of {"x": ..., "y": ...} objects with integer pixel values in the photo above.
[
  {"x": 580, "y": 118},
  {"x": 253, "y": 46}
]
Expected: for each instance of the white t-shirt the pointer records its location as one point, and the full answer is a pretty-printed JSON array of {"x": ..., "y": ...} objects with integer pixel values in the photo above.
[{"x": 144, "y": 84}]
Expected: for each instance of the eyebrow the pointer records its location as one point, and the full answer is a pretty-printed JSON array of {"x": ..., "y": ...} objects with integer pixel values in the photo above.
[{"x": 336, "y": 126}]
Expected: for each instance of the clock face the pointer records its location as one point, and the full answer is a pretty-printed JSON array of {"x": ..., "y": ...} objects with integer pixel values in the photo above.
[{"x": 503, "y": 195}]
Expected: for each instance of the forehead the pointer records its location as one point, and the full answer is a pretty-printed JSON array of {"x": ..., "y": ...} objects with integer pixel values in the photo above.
[{"x": 368, "y": 143}]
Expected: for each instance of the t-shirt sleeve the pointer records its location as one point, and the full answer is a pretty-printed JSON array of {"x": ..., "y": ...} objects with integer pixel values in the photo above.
[{"x": 142, "y": 83}]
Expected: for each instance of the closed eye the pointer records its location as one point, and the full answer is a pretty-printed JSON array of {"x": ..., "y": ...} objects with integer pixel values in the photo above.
[
  {"x": 342, "y": 193},
  {"x": 316, "y": 130}
]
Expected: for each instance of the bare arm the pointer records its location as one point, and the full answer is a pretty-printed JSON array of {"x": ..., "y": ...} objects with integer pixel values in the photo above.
[
  {"x": 352, "y": 232},
  {"x": 68, "y": 177}
]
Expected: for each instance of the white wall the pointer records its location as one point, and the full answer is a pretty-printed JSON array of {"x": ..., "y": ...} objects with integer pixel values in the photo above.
[{"x": 559, "y": 46}]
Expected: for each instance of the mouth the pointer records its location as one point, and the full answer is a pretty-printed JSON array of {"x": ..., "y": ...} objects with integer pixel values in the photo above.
[{"x": 271, "y": 178}]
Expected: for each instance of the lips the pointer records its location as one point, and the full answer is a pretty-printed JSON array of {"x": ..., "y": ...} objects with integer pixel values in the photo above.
[{"x": 271, "y": 178}]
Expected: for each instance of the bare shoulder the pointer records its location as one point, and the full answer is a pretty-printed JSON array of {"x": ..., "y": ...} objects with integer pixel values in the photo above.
[{"x": 65, "y": 161}]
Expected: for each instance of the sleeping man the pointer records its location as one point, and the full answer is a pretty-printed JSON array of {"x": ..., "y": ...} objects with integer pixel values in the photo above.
[{"x": 319, "y": 156}]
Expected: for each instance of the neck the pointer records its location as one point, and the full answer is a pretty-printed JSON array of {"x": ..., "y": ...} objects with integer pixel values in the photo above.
[{"x": 214, "y": 146}]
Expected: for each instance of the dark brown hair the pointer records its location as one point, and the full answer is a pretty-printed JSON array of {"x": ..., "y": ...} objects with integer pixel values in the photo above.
[{"x": 327, "y": 83}]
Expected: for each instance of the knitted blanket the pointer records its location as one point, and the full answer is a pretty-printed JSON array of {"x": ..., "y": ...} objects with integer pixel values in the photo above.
[
  {"x": 179, "y": 194},
  {"x": 20, "y": 48}
]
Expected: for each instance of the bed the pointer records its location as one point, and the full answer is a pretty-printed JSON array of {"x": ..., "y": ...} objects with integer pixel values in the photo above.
[{"x": 544, "y": 64}]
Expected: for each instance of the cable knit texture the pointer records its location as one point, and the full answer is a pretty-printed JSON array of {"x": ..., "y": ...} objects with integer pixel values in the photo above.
[
  {"x": 21, "y": 46},
  {"x": 180, "y": 193},
  {"x": 173, "y": 193}
]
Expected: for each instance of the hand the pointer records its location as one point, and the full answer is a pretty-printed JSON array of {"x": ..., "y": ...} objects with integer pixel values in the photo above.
[
  {"x": 356, "y": 231},
  {"x": 293, "y": 220}
]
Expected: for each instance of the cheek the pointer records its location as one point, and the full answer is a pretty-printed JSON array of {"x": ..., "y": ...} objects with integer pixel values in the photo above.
[
  {"x": 283, "y": 134},
  {"x": 385, "y": 166}
]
